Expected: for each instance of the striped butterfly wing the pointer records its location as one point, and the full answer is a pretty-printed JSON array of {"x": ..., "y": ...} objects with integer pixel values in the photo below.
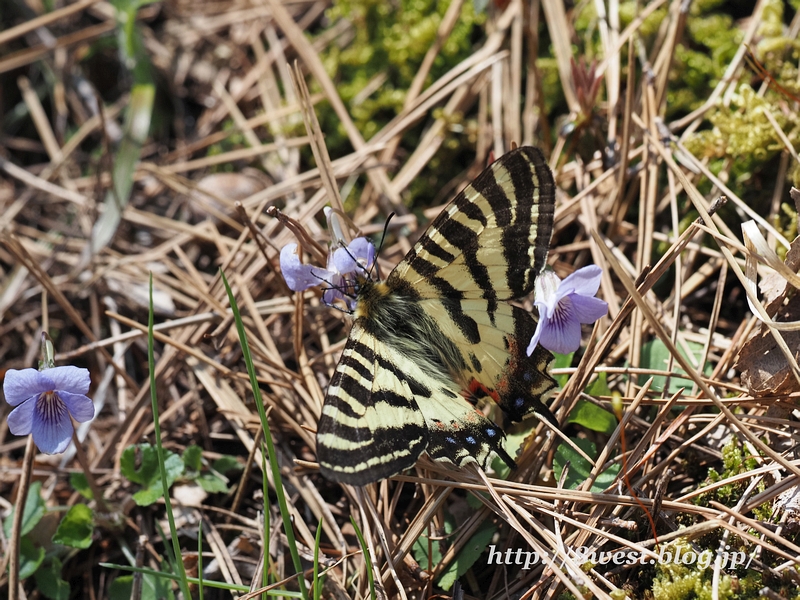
[
  {"x": 370, "y": 405},
  {"x": 493, "y": 362},
  {"x": 488, "y": 246},
  {"x": 439, "y": 335},
  {"x": 383, "y": 410},
  {"x": 492, "y": 240}
]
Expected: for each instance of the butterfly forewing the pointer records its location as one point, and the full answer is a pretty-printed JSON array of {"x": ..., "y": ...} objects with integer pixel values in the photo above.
[
  {"x": 491, "y": 241},
  {"x": 439, "y": 335}
]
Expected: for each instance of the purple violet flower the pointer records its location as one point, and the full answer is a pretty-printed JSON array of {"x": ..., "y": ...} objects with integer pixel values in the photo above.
[
  {"x": 564, "y": 306},
  {"x": 44, "y": 402},
  {"x": 346, "y": 263}
]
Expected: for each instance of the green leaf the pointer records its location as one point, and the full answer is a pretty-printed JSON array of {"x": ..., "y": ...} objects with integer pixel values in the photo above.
[
  {"x": 33, "y": 513},
  {"x": 515, "y": 439},
  {"x": 156, "y": 588},
  {"x": 76, "y": 527},
  {"x": 121, "y": 588},
  {"x": 655, "y": 355},
  {"x": 580, "y": 468},
  {"x": 600, "y": 386},
  {"x": 606, "y": 478},
  {"x": 471, "y": 552},
  {"x": 148, "y": 474},
  {"x": 154, "y": 491},
  {"x": 226, "y": 463},
  {"x": 49, "y": 582},
  {"x": 420, "y": 548},
  {"x": 153, "y": 588},
  {"x": 30, "y": 557},
  {"x": 148, "y": 464},
  {"x": 593, "y": 417},
  {"x": 473, "y": 501},
  {"x": 212, "y": 483},
  {"x": 562, "y": 361},
  {"x": 193, "y": 458},
  {"x": 421, "y": 554},
  {"x": 80, "y": 484}
]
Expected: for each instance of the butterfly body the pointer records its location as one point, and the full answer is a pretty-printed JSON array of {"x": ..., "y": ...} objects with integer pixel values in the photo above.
[{"x": 438, "y": 336}]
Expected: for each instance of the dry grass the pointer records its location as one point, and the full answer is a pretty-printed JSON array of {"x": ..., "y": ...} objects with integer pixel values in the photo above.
[{"x": 95, "y": 305}]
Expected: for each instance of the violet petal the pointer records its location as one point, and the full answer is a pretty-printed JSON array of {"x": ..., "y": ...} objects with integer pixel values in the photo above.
[
  {"x": 20, "y": 421},
  {"x": 21, "y": 384},
  {"x": 299, "y": 276},
  {"x": 80, "y": 407},
  {"x": 585, "y": 281},
  {"x": 52, "y": 427},
  {"x": 70, "y": 379},
  {"x": 588, "y": 309},
  {"x": 561, "y": 336}
]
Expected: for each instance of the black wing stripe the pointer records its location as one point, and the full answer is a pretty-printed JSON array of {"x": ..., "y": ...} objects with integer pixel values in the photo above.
[
  {"x": 361, "y": 434},
  {"x": 434, "y": 249},
  {"x": 356, "y": 365},
  {"x": 491, "y": 242},
  {"x": 546, "y": 212},
  {"x": 461, "y": 236},
  {"x": 488, "y": 187}
]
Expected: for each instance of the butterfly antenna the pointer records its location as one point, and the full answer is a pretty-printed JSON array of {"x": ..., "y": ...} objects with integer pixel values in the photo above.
[
  {"x": 344, "y": 290},
  {"x": 383, "y": 239},
  {"x": 355, "y": 260}
]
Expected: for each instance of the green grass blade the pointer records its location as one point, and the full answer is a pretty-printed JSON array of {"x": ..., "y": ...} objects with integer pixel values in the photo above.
[
  {"x": 367, "y": 559},
  {"x": 317, "y": 581},
  {"x": 273, "y": 460},
  {"x": 176, "y": 546},
  {"x": 265, "y": 578},
  {"x": 200, "y": 560}
]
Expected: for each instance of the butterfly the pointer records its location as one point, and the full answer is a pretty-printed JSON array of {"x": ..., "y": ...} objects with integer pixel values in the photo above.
[{"x": 439, "y": 336}]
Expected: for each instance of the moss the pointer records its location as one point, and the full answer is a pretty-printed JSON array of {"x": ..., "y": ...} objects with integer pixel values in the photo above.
[
  {"x": 739, "y": 136},
  {"x": 710, "y": 41},
  {"x": 390, "y": 41},
  {"x": 786, "y": 220},
  {"x": 628, "y": 11},
  {"x": 743, "y": 134},
  {"x": 684, "y": 574},
  {"x": 734, "y": 462}
]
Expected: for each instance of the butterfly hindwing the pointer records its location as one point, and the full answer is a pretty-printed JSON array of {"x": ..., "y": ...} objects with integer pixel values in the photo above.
[
  {"x": 439, "y": 335},
  {"x": 370, "y": 405},
  {"x": 383, "y": 410},
  {"x": 494, "y": 361}
]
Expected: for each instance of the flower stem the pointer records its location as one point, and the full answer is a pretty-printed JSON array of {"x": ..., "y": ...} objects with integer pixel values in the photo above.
[
  {"x": 87, "y": 470},
  {"x": 16, "y": 526}
]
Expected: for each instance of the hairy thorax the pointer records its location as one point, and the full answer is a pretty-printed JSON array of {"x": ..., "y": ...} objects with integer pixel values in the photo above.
[{"x": 398, "y": 320}]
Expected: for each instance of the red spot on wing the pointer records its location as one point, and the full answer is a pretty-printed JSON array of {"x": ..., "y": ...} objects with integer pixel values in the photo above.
[
  {"x": 476, "y": 389},
  {"x": 512, "y": 367}
]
